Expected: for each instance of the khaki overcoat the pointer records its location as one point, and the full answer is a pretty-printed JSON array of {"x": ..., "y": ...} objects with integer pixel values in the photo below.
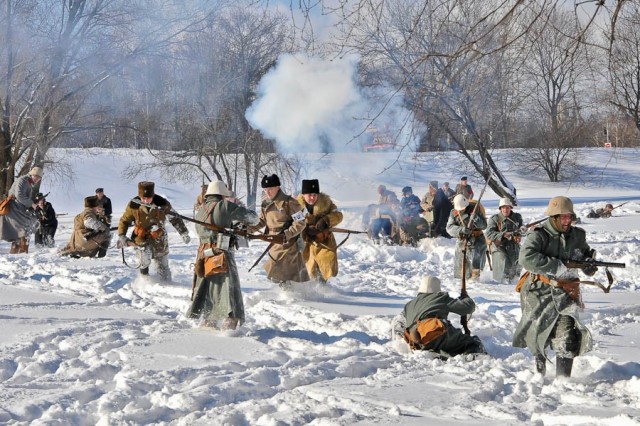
[{"x": 320, "y": 251}]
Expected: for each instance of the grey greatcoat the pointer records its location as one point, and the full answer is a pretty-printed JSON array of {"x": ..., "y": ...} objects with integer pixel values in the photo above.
[
  {"x": 20, "y": 221},
  {"x": 90, "y": 237},
  {"x": 219, "y": 296},
  {"x": 285, "y": 260},
  {"x": 476, "y": 243},
  {"x": 504, "y": 251},
  {"x": 542, "y": 253},
  {"x": 439, "y": 305}
]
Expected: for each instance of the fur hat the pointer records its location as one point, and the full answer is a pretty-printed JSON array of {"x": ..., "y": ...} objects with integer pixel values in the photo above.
[
  {"x": 270, "y": 181},
  {"x": 217, "y": 187},
  {"x": 36, "y": 171},
  {"x": 504, "y": 202},
  {"x": 434, "y": 183},
  {"x": 91, "y": 201},
  {"x": 310, "y": 187},
  {"x": 99, "y": 190},
  {"x": 460, "y": 202},
  {"x": 407, "y": 189},
  {"x": 429, "y": 284},
  {"x": 146, "y": 189}
]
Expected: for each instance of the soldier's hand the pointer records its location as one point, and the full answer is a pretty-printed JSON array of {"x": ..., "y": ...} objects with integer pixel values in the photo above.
[
  {"x": 465, "y": 233},
  {"x": 507, "y": 235},
  {"x": 186, "y": 238},
  {"x": 278, "y": 239},
  {"x": 123, "y": 241},
  {"x": 311, "y": 230},
  {"x": 590, "y": 270},
  {"x": 322, "y": 224}
]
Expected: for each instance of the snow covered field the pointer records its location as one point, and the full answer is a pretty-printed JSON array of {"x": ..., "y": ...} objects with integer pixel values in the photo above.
[{"x": 88, "y": 341}]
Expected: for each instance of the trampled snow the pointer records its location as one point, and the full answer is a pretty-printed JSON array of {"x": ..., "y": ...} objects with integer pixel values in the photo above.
[{"x": 89, "y": 341}]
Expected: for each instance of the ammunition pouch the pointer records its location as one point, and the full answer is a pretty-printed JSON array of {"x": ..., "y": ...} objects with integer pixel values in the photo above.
[
  {"x": 427, "y": 330},
  {"x": 210, "y": 261}
]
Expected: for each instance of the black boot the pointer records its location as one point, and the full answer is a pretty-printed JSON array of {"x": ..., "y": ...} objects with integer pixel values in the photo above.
[
  {"x": 563, "y": 367},
  {"x": 144, "y": 271},
  {"x": 541, "y": 364}
]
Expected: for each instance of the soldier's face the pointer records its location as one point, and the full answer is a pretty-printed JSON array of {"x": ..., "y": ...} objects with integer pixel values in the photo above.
[
  {"x": 271, "y": 192},
  {"x": 310, "y": 198},
  {"x": 505, "y": 210},
  {"x": 99, "y": 195},
  {"x": 565, "y": 221},
  {"x": 146, "y": 200}
]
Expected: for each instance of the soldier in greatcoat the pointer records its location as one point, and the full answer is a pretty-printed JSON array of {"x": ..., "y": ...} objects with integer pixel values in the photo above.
[
  {"x": 432, "y": 302},
  {"x": 18, "y": 224},
  {"x": 387, "y": 197},
  {"x": 469, "y": 234},
  {"x": 450, "y": 193},
  {"x": 47, "y": 222},
  {"x": 147, "y": 214},
  {"x": 464, "y": 188},
  {"x": 436, "y": 203},
  {"x": 91, "y": 235},
  {"x": 550, "y": 292},
  {"x": 105, "y": 203},
  {"x": 503, "y": 236},
  {"x": 218, "y": 297},
  {"x": 320, "y": 249},
  {"x": 282, "y": 215}
]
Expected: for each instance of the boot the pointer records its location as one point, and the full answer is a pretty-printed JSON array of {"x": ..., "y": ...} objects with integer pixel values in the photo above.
[
  {"x": 563, "y": 367},
  {"x": 23, "y": 245},
  {"x": 144, "y": 271},
  {"x": 14, "y": 247},
  {"x": 229, "y": 323},
  {"x": 541, "y": 364}
]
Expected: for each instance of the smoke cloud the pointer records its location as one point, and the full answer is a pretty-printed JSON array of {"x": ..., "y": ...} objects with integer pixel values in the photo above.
[{"x": 309, "y": 104}]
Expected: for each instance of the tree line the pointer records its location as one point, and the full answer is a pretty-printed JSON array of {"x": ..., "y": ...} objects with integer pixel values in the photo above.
[{"x": 176, "y": 77}]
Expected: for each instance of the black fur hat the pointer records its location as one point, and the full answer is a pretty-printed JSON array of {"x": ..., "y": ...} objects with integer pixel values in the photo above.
[
  {"x": 146, "y": 189},
  {"x": 310, "y": 186},
  {"x": 270, "y": 181},
  {"x": 91, "y": 201}
]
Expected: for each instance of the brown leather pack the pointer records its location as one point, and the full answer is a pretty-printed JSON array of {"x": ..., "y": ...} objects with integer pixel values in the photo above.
[{"x": 427, "y": 330}]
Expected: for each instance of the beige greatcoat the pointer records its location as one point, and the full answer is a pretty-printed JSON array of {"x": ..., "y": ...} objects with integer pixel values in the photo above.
[
  {"x": 320, "y": 251},
  {"x": 86, "y": 241},
  {"x": 285, "y": 260}
]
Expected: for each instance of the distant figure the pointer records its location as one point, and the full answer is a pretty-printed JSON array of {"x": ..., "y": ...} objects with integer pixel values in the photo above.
[
  {"x": 436, "y": 202},
  {"x": 412, "y": 226},
  {"x": 464, "y": 188},
  {"x": 199, "y": 200},
  {"x": 105, "y": 203},
  {"x": 450, "y": 193},
  {"x": 604, "y": 213},
  {"x": 91, "y": 235},
  {"x": 427, "y": 326},
  {"x": 47, "y": 222},
  {"x": 387, "y": 197},
  {"x": 469, "y": 234},
  {"x": 503, "y": 236},
  {"x": 16, "y": 226},
  {"x": 381, "y": 224}
]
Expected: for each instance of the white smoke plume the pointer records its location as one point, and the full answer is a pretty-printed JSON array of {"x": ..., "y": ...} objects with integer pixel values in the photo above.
[{"x": 308, "y": 104}]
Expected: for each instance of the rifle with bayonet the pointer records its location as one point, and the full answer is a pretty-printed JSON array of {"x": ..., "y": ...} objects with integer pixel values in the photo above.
[{"x": 464, "y": 319}]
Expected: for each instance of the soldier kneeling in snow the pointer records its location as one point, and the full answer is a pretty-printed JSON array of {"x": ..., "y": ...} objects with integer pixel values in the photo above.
[
  {"x": 426, "y": 326},
  {"x": 91, "y": 236}
]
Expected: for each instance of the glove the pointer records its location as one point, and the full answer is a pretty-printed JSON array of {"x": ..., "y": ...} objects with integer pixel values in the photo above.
[
  {"x": 278, "y": 239},
  {"x": 123, "y": 241},
  {"x": 186, "y": 238},
  {"x": 322, "y": 225},
  {"x": 590, "y": 270},
  {"x": 311, "y": 231},
  {"x": 507, "y": 235},
  {"x": 465, "y": 233}
]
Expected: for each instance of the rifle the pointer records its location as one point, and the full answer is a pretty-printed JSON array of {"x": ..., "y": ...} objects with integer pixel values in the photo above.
[
  {"x": 271, "y": 244},
  {"x": 464, "y": 319},
  {"x": 61, "y": 214},
  {"x": 211, "y": 226},
  {"x": 534, "y": 223},
  {"x": 599, "y": 215},
  {"x": 344, "y": 231},
  {"x": 581, "y": 264}
]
